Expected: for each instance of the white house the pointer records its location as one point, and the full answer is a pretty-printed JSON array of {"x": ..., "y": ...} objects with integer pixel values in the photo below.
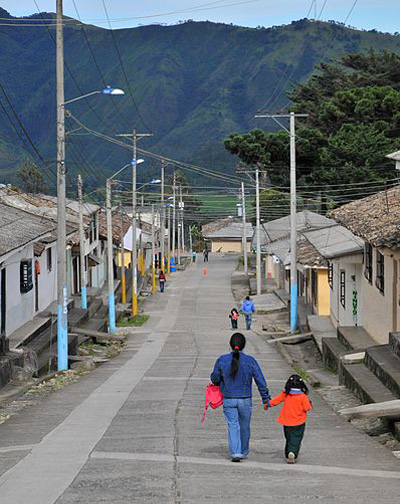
[
  {"x": 344, "y": 253},
  {"x": 26, "y": 283},
  {"x": 94, "y": 245},
  {"x": 375, "y": 220}
]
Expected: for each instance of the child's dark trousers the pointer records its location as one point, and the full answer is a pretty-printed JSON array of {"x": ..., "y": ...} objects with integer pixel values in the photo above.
[
  {"x": 294, "y": 436},
  {"x": 234, "y": 323}
]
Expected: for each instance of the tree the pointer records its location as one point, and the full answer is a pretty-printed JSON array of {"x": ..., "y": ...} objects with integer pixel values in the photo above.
[
  {"x": 31, "y": 177},
  {"x": 353, "y": 109}
]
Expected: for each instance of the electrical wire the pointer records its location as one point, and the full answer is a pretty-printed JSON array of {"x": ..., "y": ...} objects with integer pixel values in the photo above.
[{"x": 123, "y": 67}]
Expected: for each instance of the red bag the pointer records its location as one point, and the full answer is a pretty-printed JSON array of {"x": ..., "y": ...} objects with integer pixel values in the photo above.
[{"x": 213, "y": 398}]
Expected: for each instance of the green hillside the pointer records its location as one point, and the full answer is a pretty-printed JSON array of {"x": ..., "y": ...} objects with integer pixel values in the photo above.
[{"x": 193, "y": 82}]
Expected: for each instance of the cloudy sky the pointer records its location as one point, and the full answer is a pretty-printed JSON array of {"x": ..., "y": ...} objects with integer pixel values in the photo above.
[{"x": 383, "y": 15}]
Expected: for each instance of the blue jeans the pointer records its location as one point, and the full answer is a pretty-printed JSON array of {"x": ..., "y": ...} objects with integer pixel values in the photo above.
[
  {"x": 238, "y": 415},
  {"x": 248, "y": 317}
]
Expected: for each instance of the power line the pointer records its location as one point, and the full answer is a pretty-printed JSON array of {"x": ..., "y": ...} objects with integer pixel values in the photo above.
[{"x": 123, "y": 68}]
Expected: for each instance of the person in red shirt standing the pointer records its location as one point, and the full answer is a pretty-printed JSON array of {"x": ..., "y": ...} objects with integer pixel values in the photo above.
[
  {"x": 293, "y": 414},
  {"x": 162, "y": 279}
]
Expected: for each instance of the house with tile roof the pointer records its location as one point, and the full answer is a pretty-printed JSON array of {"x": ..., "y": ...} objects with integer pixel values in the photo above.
[
  {"x": 376, "y": 220},
  {"x": 27, "y": 284}
]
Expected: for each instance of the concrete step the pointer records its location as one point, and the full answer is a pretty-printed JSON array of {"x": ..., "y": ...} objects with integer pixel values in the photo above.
[
  {"x": 332, "y": 349},
  {"x": 394, "y": 342},
  {"x": 354, "y": 338},
  {"x": 364, "y": 384},
  {"x": 385, "y": 365},
  {"x": 77, "y": 317}
]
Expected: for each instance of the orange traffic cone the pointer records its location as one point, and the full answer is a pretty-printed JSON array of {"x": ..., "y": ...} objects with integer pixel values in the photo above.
[{"x": 205, "y": 272}]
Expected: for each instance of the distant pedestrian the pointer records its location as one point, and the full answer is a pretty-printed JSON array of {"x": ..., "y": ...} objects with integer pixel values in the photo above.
[
  {"x": 234, "y": 373},
  {"x": 248, "y": 309},
  {"x": 293, "y": 414},
  {"x": 162, "y": 279},
  {"x": 205, "y": 255},
  {"x": 234, "y": 315},
  {"x": 194, "y": 256}
]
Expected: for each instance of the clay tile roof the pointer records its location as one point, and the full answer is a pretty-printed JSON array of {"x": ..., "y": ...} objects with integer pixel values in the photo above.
[
  {"x": 308, "y": 255},
  {"x": 376, "y": 219}
]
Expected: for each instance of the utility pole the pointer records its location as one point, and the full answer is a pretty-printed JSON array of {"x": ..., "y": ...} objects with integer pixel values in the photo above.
[
  {"x": 190, "y": 242},
  {"x": 123, "y": 281},
  {"x": 135, "y": 137},
  {"x": 173, "y": 218},
  {"x": 293, "y": 210},
  {"x": 182, "y": 205},
  {"x": 110, "y": 265},
  {"x": 162, "y": 223},
  {"x": 82, "y": 246},
  {"x": 258, "y": 252},
  {"x": 169, "y": 241},
  {"x": 244, "y": 239},
  {"x": 62, "y": 289},
  {"x": 153, "y": 250}
]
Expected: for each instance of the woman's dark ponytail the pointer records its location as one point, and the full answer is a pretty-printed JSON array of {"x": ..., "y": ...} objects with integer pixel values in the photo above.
[{"x": 237, "y": 342}]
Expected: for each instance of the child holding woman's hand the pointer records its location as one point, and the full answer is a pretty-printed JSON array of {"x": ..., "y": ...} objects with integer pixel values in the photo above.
[{"x": 293, "y": 414}]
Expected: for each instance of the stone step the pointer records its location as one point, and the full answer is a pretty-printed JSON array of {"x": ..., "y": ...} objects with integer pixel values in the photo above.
[
  {"x": 354, "y": 337},
  {"x": 385, "y": 365},
  {"x": 364, "y": 384}
]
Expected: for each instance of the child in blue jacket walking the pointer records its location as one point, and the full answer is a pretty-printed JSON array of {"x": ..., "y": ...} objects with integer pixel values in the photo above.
[{"x": 248, "y": 309}]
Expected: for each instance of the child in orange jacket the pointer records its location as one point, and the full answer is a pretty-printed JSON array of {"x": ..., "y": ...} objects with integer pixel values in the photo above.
[{"x": 293, "y": 414}]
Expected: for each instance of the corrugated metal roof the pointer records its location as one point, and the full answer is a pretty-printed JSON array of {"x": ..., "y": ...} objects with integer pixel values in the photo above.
[
  {"x": 335, "y": 241},
  {"x": 280, "y": 228},
  {"x": 18, "y": 228}
]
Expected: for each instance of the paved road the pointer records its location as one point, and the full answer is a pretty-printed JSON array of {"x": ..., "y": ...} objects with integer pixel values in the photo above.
[{"x": 130, "y": 431}]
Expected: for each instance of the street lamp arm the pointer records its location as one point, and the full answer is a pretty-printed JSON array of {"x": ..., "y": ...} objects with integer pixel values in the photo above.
[
  {"x": 106, "y": 91},
  {"x": 81, "y": 97}
]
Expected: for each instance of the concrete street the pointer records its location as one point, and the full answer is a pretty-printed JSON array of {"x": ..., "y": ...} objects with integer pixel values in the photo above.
[{"x": 130, "y": 431}]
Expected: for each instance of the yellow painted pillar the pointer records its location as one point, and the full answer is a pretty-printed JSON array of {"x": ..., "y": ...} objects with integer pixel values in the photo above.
[
  {"x": 154, "y": 276},
  {"x": 169, "y": 263}
]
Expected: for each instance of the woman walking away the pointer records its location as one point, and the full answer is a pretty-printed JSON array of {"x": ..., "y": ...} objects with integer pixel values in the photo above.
[
  {"x": 162, "y": 280},
  {"x": 234, "y": 373},
  {"x": 248, "y": 309},
  {"x": 293, "y": 415},
  {"x": 234, "y": 315}
]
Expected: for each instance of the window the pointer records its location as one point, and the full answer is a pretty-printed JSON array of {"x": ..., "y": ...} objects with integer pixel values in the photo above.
[
  {"x": 380, "y": 272},
  {"x": 342, "y": 293},
  {"x": 49, "y": 259},
  {"x": 25, "y": 276},
  {"x": 368, "y": 262},
  {"x": 330, "y": 275}
]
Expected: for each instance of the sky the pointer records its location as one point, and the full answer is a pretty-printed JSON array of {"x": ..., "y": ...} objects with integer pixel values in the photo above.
[{"x": 383, "y": 15}]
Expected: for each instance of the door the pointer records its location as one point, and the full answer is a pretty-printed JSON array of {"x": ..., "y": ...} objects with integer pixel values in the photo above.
[{"x": 3, "y": 301}]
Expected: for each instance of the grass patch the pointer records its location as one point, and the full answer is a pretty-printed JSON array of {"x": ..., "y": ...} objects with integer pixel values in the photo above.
[
  {"x": 136, "y": 321},
  {"x": 303, "y": 373}
]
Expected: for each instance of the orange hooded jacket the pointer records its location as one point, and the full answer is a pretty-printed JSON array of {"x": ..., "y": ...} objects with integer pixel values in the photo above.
[{"x": 294, "y": 410}]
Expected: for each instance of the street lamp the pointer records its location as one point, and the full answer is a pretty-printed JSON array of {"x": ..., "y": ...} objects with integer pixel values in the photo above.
[
  {"x": 62, "y": 288},
  {"x": 106, "y": 91}
]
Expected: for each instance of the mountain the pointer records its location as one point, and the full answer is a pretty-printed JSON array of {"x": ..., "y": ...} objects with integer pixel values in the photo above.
[{"x": 192, "y": 83}]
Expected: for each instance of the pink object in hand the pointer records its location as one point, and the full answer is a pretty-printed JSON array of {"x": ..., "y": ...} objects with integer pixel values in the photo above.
[{"x": 212, "y": 398}]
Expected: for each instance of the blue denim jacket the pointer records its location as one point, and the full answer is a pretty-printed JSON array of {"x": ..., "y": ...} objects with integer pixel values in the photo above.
[{"x": 240, "y": 386}]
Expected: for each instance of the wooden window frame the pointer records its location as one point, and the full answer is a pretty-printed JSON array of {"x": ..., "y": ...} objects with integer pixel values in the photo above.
[
  {"x": 330, "y": 274},
  {"x": 380, "y": 272},
  {"x": 368, "y": 270}
]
